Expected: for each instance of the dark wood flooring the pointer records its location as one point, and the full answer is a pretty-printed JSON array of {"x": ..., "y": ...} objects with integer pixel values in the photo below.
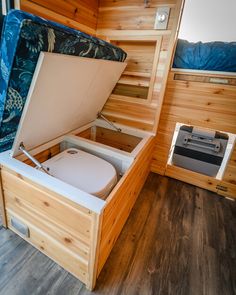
[{"x": 179, "y": 240}]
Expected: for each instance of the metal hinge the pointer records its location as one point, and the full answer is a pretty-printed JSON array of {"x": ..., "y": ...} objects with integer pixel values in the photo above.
[
  {"x": 20, "y": 227},
  {"x": 100, "y": 115},
  {"x": 35, "y": 161}
]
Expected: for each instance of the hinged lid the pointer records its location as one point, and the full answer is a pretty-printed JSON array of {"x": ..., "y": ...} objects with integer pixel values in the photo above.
[{"x": 66, "y": 93}]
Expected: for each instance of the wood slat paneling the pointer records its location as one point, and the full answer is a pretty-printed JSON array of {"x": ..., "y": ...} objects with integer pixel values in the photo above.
[
  {"x": 60, "y": 228},
  {"x": 202, "y": 104},
  {"x": 149, "y": 55},
  {"x": 229, "y": 179},
  {"x": 130, "y": 25},
  {"x": 81, "y": 15},
  {"x": 79, "y": 11},
  {"x": 46, "y": 205},
  {"x": 118, "y": 140},
  {"x": 138, "y": 4},
  {"x": 129, "y": 109},
  {"x": 125, "y": 17},
  {"x": 121, "y": 201},
  {"x": 19, "y": 206}
]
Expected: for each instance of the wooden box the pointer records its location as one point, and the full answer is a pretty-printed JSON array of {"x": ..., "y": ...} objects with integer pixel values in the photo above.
[{"x": 74, "y": 228}]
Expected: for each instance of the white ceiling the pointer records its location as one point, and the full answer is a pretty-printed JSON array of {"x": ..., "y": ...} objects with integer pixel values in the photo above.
[{"x": 209, "y": 20}]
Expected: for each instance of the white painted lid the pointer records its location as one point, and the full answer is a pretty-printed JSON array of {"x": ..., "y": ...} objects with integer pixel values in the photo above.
[
  {"x": 84, "y": 171},
  {"x": 66, "y": 93}
]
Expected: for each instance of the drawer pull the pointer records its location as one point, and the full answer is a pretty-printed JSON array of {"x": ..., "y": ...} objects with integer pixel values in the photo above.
[{"x": 20, "y": 227}]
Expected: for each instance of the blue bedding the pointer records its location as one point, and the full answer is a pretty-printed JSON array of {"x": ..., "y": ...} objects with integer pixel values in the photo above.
[
  {"x": 24, "y": 37},
  {"x": 211, "y": 56}
]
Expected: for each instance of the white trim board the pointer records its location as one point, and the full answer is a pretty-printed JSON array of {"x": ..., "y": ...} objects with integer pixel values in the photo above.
[
  {"x": 227, "y": 155},
  {"x": 65, "y": 190}
]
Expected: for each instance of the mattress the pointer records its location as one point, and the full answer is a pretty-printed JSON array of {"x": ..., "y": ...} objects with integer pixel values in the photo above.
[
  {"x": 24, "y": 37},
  {"x": 210, "y": 56}
]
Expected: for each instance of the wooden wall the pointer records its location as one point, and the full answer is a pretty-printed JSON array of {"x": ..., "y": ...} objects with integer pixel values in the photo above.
[
  {"x": 138, "y": 96},
  {"x": 137, "y": 99},
  {"x": 78, "y": 14},
  {"x": 203, "y": 104}
]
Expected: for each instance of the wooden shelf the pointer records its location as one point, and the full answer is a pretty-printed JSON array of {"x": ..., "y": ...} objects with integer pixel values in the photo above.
[
  {"x": 134, "y": 81},
  {"x": 137, "y": 74}
]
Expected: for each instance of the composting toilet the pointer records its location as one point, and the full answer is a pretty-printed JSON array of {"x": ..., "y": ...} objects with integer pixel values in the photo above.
[
  {"x": 84, "y": 171},
  {"x": 68, "y": 102}
]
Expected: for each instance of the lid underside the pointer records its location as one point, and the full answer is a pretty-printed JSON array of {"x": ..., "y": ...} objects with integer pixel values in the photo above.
[{"x": 66, "y": 93}]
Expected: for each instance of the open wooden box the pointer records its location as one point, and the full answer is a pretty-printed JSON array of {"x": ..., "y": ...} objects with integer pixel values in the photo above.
[{"x": 74, "y": 228}]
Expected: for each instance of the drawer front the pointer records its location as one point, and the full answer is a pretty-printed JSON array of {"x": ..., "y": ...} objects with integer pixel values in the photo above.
[
  {"x": 60, "y": 228},
  {"x": 51, "y": 247}
]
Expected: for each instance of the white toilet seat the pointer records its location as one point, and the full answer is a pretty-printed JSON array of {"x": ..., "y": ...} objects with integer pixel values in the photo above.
[{"x": 84, "y": 171}]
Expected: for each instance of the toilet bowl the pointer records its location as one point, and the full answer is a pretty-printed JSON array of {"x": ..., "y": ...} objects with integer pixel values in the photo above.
[{"x": 84, "y": 171}]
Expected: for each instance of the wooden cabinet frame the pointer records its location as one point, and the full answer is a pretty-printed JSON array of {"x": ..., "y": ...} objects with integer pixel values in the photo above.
[
  {"x": 136, "y": 37},
  {"x": 78, "y": 237}
]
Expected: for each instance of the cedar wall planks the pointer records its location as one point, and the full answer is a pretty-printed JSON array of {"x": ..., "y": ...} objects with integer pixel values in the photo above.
[
  {"x": 203, "y": 104},
  {"x": 138, "y": 96},
  {"x": 208, "y": 105},
  {"x": 81, "y": 15},
  {"x": 121, "y": 201},
  {"x": 54, "y": 223}
]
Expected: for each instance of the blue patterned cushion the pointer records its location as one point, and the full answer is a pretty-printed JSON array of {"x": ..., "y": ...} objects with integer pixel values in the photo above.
[{"x": 24, "y": 36}]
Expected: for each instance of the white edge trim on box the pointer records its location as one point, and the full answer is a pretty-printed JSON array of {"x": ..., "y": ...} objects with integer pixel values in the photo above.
[
  {"x": 65, "y": 190},
  {"x": 227, "y": 155},
  {"x": 51, "y": 143},
  {"x": 145, "y": 135},
  {"x": 125, "y": 129},
  {"x": 103, "y": 148},
  {"x": 99, "y": 147}
]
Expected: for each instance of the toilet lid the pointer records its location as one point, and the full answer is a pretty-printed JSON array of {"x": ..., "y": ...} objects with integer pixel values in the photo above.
[{"x": 82, "y": 170}]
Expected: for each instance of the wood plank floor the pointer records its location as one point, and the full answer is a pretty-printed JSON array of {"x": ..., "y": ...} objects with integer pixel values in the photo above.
[{"x": 179, "y": 240}]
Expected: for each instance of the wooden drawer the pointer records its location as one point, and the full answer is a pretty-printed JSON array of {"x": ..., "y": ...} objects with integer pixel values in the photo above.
[
  {"x": 60, "y": 228},
  {"x": 52, "y": 248},
  {"x": 49, "y": 205}
]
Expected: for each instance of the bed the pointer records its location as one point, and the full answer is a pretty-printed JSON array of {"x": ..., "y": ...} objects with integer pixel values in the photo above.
[
  {"x": 210, "y": 56},
  {"x": 24, "y": 36}
]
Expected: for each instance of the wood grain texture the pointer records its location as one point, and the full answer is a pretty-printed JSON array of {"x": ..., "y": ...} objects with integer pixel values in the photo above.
[
  {"x": 122, "y": 15},
  {"x": 121, "y": 201},
  {"x": 179, "y": 240},
  {"x": 191, "y": 177},
  {"x": 118, "y": 140},
  {"x": 81, "y": 15},
  {"x": 68, "y": 233},
  {"x": 229, "y": 179},
  {"x": 62, "y": 229},
  {"x": 137, "y": 99},
  {"x": 84, "y": 12},
  {"x": 203, "y": 104}
]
